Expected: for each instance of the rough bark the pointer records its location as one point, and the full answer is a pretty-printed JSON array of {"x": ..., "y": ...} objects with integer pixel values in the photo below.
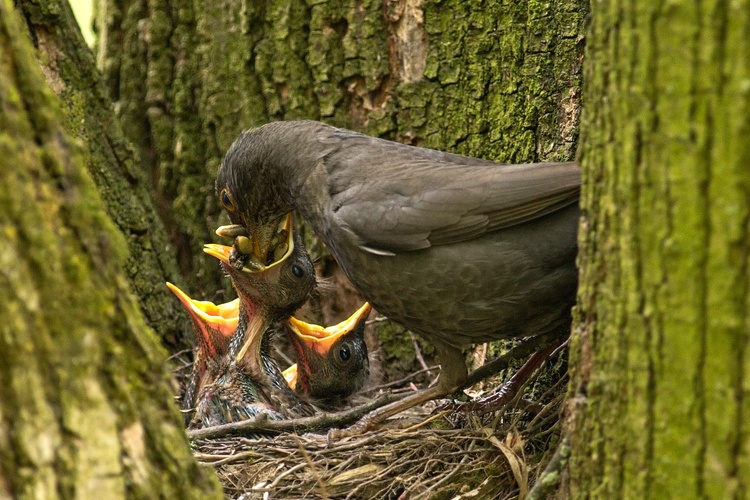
[
  {"x": 70, "y": 70},
  {"x": 86, "y": 409},
  {"x": 498, "y": 80},
  {"x": 660, "y": 401}
]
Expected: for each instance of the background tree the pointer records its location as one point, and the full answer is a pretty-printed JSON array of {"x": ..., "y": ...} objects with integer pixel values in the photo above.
[
  {"x": 69, "y": 67},
  {"x": 499, "y": 81},
  {"x": 85, "y": 404},
  {"x": 660, "y": 397}
]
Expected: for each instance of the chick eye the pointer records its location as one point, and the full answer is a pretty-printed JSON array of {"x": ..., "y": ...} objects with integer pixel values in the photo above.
[
  {"x": 345, "y": 353},
  {"x": 297, "y": 271},
  {"x": 226, "y": 201}
]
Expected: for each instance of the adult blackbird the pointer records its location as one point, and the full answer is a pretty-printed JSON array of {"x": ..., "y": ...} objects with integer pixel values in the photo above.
[
  {"x": 459, "y": 250},
  {"x": 332, "y": 362}
]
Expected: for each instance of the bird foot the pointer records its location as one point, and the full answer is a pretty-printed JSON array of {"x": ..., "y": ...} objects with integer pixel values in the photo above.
[
  {"x": 357, "y": 429},
  {"x": 448, "y": 405},
  {"x": 494, "y": 401},
  {"x": 501, "y": 397}
]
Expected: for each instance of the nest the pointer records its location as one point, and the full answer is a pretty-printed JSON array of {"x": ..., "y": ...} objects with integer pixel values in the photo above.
[{"x": 439, "y": 455}]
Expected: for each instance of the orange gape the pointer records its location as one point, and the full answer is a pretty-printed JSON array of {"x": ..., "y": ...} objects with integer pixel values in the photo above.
[{"x": 332, "y": 361}]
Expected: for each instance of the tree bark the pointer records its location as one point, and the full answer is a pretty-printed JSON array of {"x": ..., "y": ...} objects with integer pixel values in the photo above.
[
  {"x": 660, "y": 400},
  {"x": 69, "y": 68},
  {"x": 85, "y": 405},
  {"x": 490, "y": 79}
]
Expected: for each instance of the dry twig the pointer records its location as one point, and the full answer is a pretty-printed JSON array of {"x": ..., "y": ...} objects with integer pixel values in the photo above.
[
  {"x": 492, "y": 456},
  {"x": 305, "y": 424}
]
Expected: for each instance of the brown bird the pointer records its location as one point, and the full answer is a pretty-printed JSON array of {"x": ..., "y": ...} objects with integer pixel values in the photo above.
[
  {"x": 332, "y": 362},
  {"x": 459, "y": 250},
  {"x": 214, "y": 326}
]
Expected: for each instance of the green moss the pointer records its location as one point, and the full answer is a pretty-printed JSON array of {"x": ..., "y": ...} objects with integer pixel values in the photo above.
[
  {"x": 655, "y": 353},
  {"x": 397, "y": 347},
  {"x": 78, "y": 365}
]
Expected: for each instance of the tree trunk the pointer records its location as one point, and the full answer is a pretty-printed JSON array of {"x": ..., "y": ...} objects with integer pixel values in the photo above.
[
  {"x": 493, "y": 80},
  {"x": 69, "y": 68},
  {"x": 86, "y": 409},
  {"x": 660, "y": 401}
]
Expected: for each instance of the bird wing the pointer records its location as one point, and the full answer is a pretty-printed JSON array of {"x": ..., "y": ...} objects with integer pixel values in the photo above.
[{"x": 405, "y": 202}]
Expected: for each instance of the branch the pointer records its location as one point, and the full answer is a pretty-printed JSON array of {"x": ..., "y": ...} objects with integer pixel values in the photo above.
[{"x": 261, "y": 424}]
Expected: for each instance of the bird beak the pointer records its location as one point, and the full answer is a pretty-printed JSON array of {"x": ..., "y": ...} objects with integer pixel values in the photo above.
[
  {"x": 290, "y": 375},
  {"x": 222, "y": 318},
  {"x": 221, "y": 252},
  {"x": 265, "y": 245},
  {"x": 321, "y": 339}
]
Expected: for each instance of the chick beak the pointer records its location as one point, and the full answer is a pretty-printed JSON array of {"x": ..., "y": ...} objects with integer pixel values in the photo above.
[
  {"x": 221, "y": 252},
  {"x": 290, "y": 375},
  {"x": 322, "y": 339},
  {"x": 209, "y": 317}
]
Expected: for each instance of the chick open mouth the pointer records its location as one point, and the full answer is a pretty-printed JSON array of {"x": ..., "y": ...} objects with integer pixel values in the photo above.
[
  {"x": 224, "y": 316},
  {"x": 321, "y": 338}
]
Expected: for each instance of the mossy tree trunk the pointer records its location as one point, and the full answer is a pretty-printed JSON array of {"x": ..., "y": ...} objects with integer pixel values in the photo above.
[
  {"x": 86, "y": 410},
  {"x": 660, "y": 403},
  {"x": 69, "y": 67},
  {"x": 488, "y": 79}
]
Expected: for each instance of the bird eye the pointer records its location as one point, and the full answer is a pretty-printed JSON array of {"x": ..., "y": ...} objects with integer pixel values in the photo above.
[
  {"x": 297, "y": 271},
  {"x": 345, "y": 353},
  {"x": 226, "y": 201}
]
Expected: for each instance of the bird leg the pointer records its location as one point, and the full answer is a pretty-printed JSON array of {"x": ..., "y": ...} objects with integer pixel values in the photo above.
[
  {"x": 452, "y": 375},
  {"x": 521, "y": 350},
  {"x": 500, "y": 397}
]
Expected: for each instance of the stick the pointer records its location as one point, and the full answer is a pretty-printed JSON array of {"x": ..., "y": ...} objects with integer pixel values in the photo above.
[{"x": 304, "y": 424}]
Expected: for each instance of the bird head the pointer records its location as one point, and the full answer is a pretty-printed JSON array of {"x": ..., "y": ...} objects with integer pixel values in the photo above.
[
  {"x": 213, "y": 324},
  {"x": 252, "y": 188},
  {"x": 332, "y": 362},
  {"x": 260, "y": 177},
  {"x": 277, "y": 289}
]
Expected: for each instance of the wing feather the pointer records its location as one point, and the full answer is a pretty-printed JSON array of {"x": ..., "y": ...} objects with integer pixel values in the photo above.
[{"x": 410, "y": 198}]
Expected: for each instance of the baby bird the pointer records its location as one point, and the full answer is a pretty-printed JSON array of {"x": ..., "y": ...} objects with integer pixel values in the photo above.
[
  {"x": 252, "y": 382},
  {"x": 214, "y": 326},
  {"x": 332, "y": 362}
]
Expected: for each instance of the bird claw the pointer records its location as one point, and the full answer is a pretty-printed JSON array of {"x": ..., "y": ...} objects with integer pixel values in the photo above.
[{"x": 358, "y": 428}]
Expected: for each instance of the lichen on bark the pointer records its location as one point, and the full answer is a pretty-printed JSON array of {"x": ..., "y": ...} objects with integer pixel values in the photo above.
[
  {"x": 69, "y": 68},
  {"x": 79, "y": 368},
  {"x": 659, "y": 400}
]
